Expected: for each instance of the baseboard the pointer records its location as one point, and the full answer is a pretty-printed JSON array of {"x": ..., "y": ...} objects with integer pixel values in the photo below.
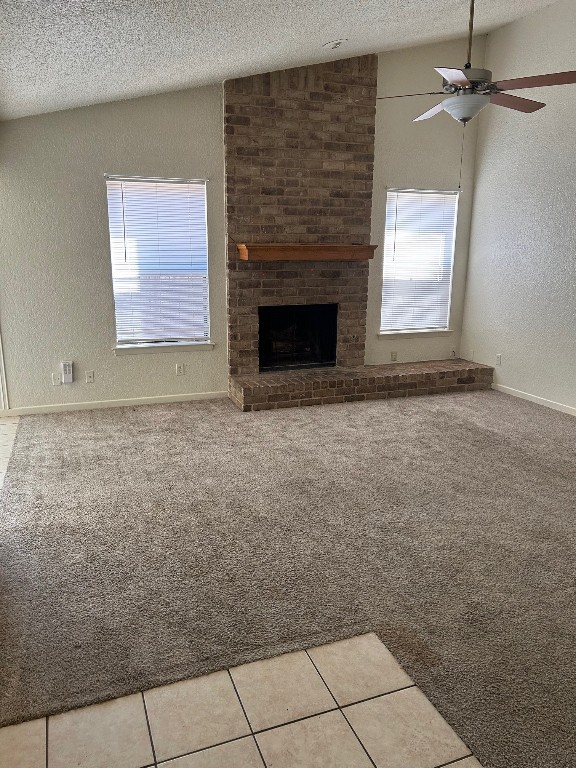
[
  {"x": 88, "y": 406},
  {"x": 535, "y": 399}
]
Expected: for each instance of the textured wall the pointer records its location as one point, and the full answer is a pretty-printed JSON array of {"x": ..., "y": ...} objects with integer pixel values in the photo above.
[
  {"x": 56, "y": 298},
  {"x": 299, "y": 159},
  {"x": 424, "y": 155},
  {"x": 521, "y": 297}
]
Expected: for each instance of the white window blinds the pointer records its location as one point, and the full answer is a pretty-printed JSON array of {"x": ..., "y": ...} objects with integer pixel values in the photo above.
[
  {"x": 418, "y": 259},
  {"x": 158, "y": 244}
]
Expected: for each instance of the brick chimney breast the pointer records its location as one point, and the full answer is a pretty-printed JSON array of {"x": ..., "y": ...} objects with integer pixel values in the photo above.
[{"x": 299, "y": 148}]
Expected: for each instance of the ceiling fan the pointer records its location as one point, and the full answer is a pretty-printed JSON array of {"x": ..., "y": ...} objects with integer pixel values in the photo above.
[{"x": 473, "y": 89}]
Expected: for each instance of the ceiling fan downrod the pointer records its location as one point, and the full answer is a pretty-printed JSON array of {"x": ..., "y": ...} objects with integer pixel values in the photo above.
[{"x": 468, "y": 64}]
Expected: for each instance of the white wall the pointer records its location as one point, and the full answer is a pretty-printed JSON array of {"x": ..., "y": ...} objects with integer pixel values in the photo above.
[
  {"x": 521, "y": 296},
  {"x": 424, "y": 155},
  {"x": 56, "y": 300}
]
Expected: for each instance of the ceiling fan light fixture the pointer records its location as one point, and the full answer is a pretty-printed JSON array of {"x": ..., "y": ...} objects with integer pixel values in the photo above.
[{"x": 465, "y": 106}]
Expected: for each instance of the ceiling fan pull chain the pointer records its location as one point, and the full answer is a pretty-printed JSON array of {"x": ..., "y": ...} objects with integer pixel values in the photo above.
[{"x": 461, "y": 157}]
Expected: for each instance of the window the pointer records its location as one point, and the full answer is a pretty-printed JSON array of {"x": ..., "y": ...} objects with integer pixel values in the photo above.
[
  {"x": 418, "y": 259},
  {"x": 158, "y": 244}
]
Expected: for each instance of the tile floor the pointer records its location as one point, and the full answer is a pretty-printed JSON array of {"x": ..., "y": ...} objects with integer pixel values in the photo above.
[
  {"x": 8, "y": 427},
  {"x": 344, "y": 705}
]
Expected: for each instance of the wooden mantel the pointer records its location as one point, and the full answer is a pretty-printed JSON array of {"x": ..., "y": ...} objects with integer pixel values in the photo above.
[{"x": 304, "y": 252}]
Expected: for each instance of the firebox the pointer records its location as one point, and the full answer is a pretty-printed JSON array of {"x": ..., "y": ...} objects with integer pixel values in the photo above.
[{"x": 297, "y": 336}]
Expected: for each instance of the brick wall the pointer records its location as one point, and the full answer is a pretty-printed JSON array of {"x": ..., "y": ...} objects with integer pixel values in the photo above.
[{"x": 299, "y": 157}]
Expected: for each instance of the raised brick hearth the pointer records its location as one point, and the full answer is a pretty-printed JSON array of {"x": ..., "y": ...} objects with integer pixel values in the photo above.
[{"x": 287, "y": 389}]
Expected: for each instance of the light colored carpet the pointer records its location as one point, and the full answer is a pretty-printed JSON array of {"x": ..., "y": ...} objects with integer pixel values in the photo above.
[{"x": 139, "y": 546}]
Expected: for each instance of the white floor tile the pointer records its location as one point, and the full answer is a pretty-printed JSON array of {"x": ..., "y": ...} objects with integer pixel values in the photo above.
[
  {"x": 275, "y": 691},
  {"x": 109, "y": 735},
  {"x": 359, "y": 668},
  {"x": 194, "y": 714},
  {"x": 242, "y": 753},
  {"x": 23, "y": 745},
  {"x": 404, "y": 730},
  {"x": 324, "y": 741}
]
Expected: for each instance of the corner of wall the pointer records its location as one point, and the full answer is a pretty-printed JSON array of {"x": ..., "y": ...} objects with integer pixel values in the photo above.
[{"x": 520, "y": 302}]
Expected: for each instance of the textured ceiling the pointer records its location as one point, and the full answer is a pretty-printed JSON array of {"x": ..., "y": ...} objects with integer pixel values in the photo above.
[{"x": 57, "y": 54}]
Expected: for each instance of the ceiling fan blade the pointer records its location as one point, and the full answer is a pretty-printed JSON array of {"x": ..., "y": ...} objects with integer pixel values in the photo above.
[
  {"x": 430, "y": 113},
  {"x": 406, "y": 95},
  {"x": 537, "y": 81},
  {"x": 454, "y": 76},
  {"x": 515, "y": 102}
]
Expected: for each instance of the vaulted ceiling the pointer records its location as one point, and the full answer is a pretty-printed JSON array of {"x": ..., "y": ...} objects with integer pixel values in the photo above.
[{"x": 57, "y": 54}]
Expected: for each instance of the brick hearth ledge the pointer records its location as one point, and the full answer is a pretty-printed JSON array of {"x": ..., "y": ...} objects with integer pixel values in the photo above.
[{"x": 319, "y": 386}]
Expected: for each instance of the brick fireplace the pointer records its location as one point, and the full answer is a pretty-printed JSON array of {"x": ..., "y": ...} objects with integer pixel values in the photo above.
[
  {"x": 299, "y": 151},
  {"x": 299, "y": 158}
]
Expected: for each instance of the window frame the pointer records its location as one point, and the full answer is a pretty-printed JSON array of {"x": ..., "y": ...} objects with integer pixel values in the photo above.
[
  {"x": 161, "y": 345},
  {"x": 415, "y": 331}
]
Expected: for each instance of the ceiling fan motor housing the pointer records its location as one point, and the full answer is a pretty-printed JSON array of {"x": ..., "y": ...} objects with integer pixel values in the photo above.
[{"x": 480, "y": 79}]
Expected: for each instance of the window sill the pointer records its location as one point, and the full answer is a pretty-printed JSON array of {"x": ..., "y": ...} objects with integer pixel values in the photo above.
[
  {"x": 414, "y": 334},
  {"x": 168, "y": 346}
]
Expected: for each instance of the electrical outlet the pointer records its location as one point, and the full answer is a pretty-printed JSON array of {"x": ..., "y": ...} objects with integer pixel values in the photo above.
[
  {"x": 180, "y": 369},
  {"x": 453, "y": 353},
  {"x": 393, "y": 356},
  {"x": 498, "y": 359},
  {"x": 56, "y": 380},
  {"x": 89, "y": 377}
]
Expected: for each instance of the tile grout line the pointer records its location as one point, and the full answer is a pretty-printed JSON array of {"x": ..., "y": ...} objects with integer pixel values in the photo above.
[
  {"x": 149, "y": 730},
  {"x": 297, "y": 720},
  {"x": 204, "y": 749},
  {"x": 377, "y": 696},
  {"x": 321, "y": 678},
  {"x": 340, "y": 710},
  {"x": 247, "y": 719},
  {"x": 359, "y": 741},
  {"x": 458, "y": 759}
]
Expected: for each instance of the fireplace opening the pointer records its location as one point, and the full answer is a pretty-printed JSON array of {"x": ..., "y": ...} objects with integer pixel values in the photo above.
[{"x": 297, "y": 336}]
